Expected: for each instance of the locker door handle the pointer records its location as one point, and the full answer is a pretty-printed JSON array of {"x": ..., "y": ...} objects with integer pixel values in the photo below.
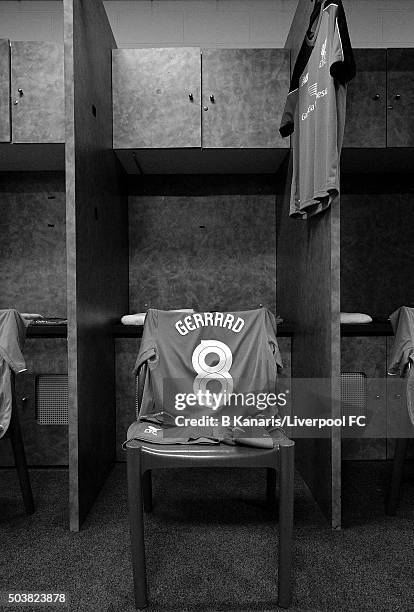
[{"x": 21, "y": 94}]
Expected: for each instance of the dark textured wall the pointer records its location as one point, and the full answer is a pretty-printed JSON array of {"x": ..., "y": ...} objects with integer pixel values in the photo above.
[
  {"x": 377, "y": 234},
  {"x": 32, "y": 244},
  {"x": 212, "y": 251}
]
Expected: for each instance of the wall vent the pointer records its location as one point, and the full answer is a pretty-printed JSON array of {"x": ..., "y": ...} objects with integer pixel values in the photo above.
[
  {"x": 354, "y": 393},
  {"x": 52, "y": 399}
]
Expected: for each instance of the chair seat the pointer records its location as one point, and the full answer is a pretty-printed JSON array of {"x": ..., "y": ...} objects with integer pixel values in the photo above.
[{"x": 225, "y": 455}]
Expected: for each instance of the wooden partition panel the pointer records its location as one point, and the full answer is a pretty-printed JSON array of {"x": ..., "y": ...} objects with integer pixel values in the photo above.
[
  {"x": 308, "y": 296},
  {"x": 96, "y": 250},
  {"x": 4, "y": 90}
]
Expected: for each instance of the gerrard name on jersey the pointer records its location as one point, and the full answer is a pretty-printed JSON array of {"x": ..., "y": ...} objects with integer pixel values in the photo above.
[{"x": 205, "y": 319}]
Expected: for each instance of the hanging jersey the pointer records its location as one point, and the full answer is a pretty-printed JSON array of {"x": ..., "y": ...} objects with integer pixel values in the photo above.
[
  {"x": 315, "y": 109},
  {"x": 12, "y": 335},
  {"x": 402, "y": 352},
  {"x": 208, "y": 364}
]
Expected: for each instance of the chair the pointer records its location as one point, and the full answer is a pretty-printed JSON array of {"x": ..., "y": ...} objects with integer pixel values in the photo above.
[
  {"x": 401, "y": 445},
  {"x": 15, "y": 435},
  {"x": 143, "y": 457}
]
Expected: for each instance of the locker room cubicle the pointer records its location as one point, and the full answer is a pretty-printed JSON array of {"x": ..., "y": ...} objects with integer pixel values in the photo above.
[
  {"x": 179, "y": 223},
  {"x": 353, "y": 258},
  {"x": 64, "y": 246}
]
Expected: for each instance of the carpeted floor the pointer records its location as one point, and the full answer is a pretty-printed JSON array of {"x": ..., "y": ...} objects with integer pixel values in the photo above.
[{"x": 211, "y": 546}]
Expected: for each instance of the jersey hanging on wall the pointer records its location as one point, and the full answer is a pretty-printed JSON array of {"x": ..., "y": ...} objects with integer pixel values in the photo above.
[
  {"x": 315, "y": 109},
  {"x": 209, "y": 363}
]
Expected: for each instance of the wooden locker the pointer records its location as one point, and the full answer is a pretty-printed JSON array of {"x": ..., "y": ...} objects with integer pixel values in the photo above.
[
  {"x": 366, "y": 120},
  {"x": 37, "y": 90},
  {"x": 244, "y": 92},
  {"x": 400, "y": 97},
  {"x": 156, "y": 98}
]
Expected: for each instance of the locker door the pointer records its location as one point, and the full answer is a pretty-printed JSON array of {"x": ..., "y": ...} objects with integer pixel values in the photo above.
[
  {"x": 156, "y": 98},
  {"x": 400, "y": 97},
  {"x": 4, "y": 91},
  {"x": 366, "y": 101},
  {"x": 37, "y": 90},
  {"x": 244, "y": 92}
]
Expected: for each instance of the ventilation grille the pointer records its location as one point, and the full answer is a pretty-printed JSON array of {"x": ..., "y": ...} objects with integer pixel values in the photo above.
[
  {"x": 354, "y": 393},
  {"x": 52, "y": 399}
]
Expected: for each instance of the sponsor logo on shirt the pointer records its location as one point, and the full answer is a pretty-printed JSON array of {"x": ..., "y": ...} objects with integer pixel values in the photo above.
[
  {"x": 313, "y": 91},
  {"x": 323, "y": 55},
  {"x": 305, "y": 79},
  {"x": 152, "y": 430}
]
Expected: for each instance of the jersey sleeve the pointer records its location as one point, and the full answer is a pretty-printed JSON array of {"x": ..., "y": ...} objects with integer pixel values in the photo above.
[
  {"x": 402, "y": 351},
  {"x": 148, "y": 348},
  {"x": 12, "y": 336},
  {"x": 342, "y": 63},
  {"x": 270, "y": 323},
  {"x": 287, "y": 124}
]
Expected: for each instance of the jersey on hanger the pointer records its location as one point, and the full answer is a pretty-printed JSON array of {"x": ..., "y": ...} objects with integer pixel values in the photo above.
[
  {"x": 198, "y": 362},
  {"x": 315, "y": 109}
]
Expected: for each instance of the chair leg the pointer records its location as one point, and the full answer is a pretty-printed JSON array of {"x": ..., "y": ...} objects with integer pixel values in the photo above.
[
  {"x": 147, "y": 490},
  {"x": 136, "y": 524},
  {"x": 16, "y": 439},
  {"x": 396, "y": 477},
  {"x": 271, "y": 476},
  {"x": 285, "y": 524}
]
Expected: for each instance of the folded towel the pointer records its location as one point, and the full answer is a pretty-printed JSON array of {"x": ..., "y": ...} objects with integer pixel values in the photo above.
[
  {"x": 30, "y": 316},
  {"x": 355, "y": 317},
  {"x": 139, "y": 317}
]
